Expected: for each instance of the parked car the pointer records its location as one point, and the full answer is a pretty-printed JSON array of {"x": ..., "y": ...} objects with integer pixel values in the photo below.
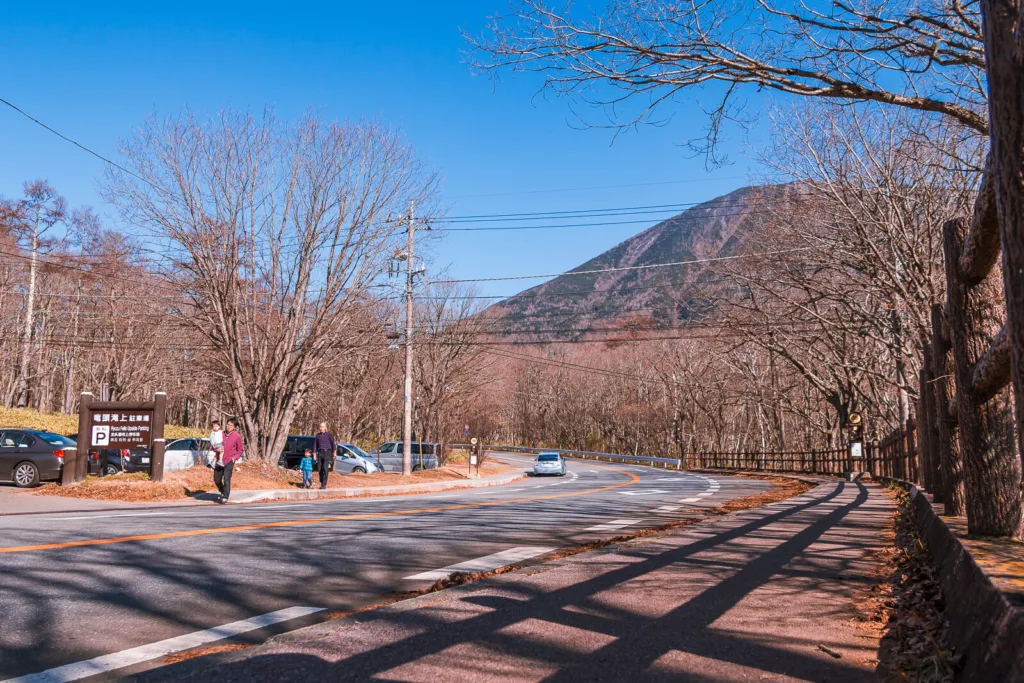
[
  {"x": 109, "y": 461},
  {"x": 181, "y": 454},
  {"x": 389, "y": 456},
  {"x": 349, "y": 458},
  {"x": 352, "y": 459},
  {"x": 31, "y": 456},
  {"x": 549, "y": 463},
  {"x": 294, "y": 447}
]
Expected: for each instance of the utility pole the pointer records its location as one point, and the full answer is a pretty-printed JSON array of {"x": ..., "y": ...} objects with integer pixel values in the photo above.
[{"x": 409, "y": 274}]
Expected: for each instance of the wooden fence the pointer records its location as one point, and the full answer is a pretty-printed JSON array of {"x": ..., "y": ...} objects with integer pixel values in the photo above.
[{"x": 897, "y": 456}]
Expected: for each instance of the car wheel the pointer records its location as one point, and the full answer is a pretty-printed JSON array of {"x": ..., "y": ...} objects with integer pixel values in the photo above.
[
  {"x": 416, "y": 468},
  {"x": 358, "y": 470},
  {"x": 26, "y": 475},
  {"x": 110, "y": 470}
]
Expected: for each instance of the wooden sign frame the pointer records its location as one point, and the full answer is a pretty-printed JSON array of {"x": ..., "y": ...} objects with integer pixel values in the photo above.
[{"x": 76, "y": 468}]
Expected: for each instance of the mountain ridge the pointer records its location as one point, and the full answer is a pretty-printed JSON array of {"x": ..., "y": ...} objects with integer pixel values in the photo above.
[{"x": 578, "y": 303}]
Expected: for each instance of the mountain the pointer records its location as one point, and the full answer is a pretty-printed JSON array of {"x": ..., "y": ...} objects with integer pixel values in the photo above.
[{"x": 579, "y": 302}]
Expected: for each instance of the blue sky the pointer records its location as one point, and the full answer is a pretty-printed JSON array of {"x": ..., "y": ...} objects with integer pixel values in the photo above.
[{"x": 94, "y": 71}]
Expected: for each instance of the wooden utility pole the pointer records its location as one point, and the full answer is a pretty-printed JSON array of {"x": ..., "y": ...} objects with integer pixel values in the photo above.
[{"x": 409, "y": 275}]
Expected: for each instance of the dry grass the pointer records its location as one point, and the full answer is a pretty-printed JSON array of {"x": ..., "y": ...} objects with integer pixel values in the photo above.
[
  {"x": 187, "y": 484},
  {"x": 59, "y": 423},
  {"x": 906, "y": 606}
]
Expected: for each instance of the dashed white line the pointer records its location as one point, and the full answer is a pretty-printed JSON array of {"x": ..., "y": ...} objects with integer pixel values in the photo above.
[
  {"x": 667, "y": 508},
  {"x": 483, "y": 564},
  {"x": 145, "y": 653},
  {"x": 690, "y": 500},
  {"x": 130, "y": 514}
]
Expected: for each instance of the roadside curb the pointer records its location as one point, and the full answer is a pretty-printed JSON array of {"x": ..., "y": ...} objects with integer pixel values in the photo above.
[
  {"x": 241, "y": 497},
  {"x": 370, "y": 491}
]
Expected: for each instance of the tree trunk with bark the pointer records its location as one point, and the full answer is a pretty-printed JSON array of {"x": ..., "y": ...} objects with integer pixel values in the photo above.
[{"x": 986, "y": 430}]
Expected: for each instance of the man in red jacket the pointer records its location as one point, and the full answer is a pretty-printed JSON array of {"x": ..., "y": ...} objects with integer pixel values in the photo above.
[{"x": 232, "y": 452}]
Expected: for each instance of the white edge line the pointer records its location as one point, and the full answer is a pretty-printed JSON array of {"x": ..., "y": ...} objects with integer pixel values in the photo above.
[{"x": 162, "y": 648}]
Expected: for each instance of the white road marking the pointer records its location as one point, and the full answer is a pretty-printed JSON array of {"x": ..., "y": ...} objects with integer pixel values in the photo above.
[
  {"x": 275, "y": 506},
  {"x": 667, "y": 508},
  {"x": 704, "y": 495},
  {"x": 130, "y": 514},
  {"x": 145, "y": 653},
  {"x": 483, "y": 564},
  {"x": 614, "y": 524},
  {"x": 690, "y": 500},
  {"x": 648, "y": 492}
]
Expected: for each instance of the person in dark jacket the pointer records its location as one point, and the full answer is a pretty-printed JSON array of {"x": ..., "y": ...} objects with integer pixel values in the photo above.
[
  {"x": 325, "y": 447},
  {"x": 230, "y": 453}
]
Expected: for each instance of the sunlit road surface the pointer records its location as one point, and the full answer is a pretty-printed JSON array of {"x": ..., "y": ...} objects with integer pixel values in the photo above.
[{"x": 86, "y": 594}]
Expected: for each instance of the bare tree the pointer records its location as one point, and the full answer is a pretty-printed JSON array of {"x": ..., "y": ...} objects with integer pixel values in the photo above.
[
  {"x": 30, "y": 219},
  {"x": 926, "y": 55},
  {"x": 275, "y": 233}
]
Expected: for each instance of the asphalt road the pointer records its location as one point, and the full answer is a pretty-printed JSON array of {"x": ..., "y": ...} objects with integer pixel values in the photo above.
[{"x": 74, "y": 587}]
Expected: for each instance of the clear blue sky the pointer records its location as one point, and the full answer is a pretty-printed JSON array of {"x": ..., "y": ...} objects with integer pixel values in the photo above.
[{"x": 96, "y": 70}]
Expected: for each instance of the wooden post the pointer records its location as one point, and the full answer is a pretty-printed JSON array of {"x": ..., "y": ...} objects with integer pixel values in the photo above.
[
  {"x": 156, "y": 463},
  {"x": 81, "y": 468},
  {"x": 948, "y": 449},
  {"x": 986, "y": 429},
  {"x": 911, "y": 448},
  {"x": 925, "y": 424}
]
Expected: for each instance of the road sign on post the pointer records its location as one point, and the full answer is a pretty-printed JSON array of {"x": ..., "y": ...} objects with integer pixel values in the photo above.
[{"x": 121, "y": 425}]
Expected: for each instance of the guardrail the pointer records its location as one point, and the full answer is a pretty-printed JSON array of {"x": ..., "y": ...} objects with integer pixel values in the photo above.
[{"x": 586, "y": 455}]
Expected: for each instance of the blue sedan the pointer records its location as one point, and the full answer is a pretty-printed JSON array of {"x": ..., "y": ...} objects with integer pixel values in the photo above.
[{"x": 549, "y": 463}]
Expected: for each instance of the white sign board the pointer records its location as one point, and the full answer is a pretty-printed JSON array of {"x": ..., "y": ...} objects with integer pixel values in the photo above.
[
  {"x": 472, "y": 460},
  {"x": 856, "y": 449},
  {"x": 100, "y": 435}
]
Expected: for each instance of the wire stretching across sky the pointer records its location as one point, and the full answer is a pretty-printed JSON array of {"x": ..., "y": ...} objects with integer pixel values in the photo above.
[{"x": 625, "y": 268}]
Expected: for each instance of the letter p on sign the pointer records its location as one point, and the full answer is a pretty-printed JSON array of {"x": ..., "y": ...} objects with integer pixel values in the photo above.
[{"x": 101, "y": 435}]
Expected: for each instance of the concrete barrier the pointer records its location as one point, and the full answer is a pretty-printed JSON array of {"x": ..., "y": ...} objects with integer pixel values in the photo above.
[
  {"x": 586, "y": 455},
  {"x": 986, "y": 622}
]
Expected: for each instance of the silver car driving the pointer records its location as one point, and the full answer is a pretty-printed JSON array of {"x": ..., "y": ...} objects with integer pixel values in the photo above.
[{"x": 549, "y": 463}]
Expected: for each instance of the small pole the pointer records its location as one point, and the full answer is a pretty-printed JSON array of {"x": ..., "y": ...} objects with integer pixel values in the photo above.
[{"x": 156, "y": 464}]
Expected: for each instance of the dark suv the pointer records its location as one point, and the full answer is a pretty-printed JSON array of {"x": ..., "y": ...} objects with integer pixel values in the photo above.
[{"x": 294, "y": 447}]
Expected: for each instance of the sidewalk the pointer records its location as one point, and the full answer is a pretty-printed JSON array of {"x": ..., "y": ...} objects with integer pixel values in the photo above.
[
  {"x": 762, "y": 595},
  {"x": 14, "y": 501}
]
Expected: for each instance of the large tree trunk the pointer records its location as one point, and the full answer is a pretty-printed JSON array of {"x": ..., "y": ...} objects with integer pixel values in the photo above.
[
  {"x": 987, "y": 443},
  {"x": 1003, "y": 28}
]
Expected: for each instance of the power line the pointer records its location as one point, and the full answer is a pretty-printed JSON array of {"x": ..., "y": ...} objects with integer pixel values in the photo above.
[
  {"x": 76, "y": 143},
  {"x": 624, "y": 268},
  {"x": 597, "y": 187}
]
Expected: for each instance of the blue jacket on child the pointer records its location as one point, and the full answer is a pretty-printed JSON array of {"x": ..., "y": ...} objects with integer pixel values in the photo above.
[{"x": 307, "y": 464}]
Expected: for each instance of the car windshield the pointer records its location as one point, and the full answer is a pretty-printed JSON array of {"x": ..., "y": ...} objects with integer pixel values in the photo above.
[
  {"x": 356, "y": 450},
  {"x": 547, "y": 457},
  {"x": 56, "y": 439},
  {"x": 387, "y": 447}
]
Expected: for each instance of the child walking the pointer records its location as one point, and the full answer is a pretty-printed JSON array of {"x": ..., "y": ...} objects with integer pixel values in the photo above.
[{"x": 306, "y": 465}]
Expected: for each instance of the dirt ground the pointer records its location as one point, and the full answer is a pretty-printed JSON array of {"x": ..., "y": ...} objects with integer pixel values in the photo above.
[{"x": 190, "y": 483}]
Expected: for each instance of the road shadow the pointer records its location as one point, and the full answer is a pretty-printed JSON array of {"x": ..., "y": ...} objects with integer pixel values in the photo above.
[{"x": 622, "y": 624}]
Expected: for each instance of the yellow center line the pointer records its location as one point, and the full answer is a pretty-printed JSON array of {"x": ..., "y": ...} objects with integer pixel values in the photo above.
[{"x": 315, "y": 520}]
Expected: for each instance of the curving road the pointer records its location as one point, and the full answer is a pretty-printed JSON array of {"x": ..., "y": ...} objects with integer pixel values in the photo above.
[{"x": 77, "y": 587}]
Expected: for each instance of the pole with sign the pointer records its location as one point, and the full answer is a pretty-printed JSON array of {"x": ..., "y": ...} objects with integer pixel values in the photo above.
[{"x": 123, "y": 426}]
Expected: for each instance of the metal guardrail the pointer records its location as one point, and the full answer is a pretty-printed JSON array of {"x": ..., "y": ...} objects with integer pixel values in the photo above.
[{"x": 671, "y": 462}]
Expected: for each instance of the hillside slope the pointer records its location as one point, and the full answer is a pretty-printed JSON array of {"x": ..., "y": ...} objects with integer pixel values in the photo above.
[{"x": 578, "y": 302}]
